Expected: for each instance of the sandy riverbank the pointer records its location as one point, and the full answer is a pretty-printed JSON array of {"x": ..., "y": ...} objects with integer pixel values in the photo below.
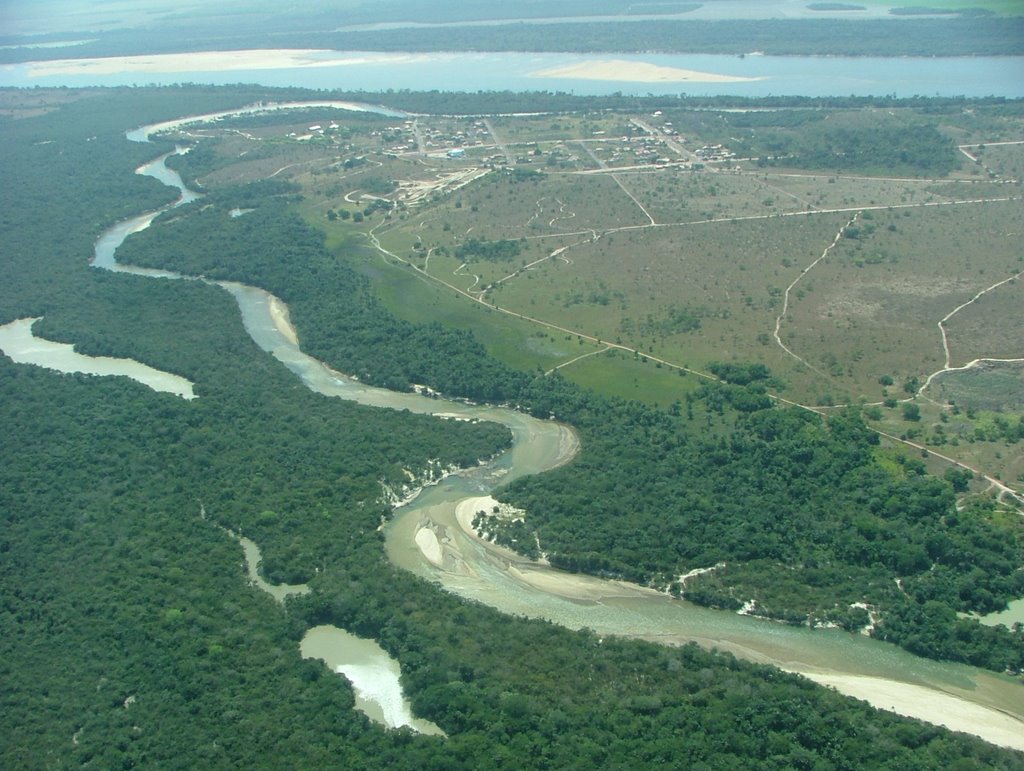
[
  {"x": 929, "y": 705},
  {"x": 921, "y": 702},
  {"x": 211, "y": 61},
  {"x": 282, "y": 321},
  {"x": 468, "y": 508},
  {"x": 539, "y": 575},
  {"x": 635, "y": 72}
]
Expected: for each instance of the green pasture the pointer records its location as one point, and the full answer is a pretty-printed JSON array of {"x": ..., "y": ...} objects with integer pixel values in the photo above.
[
  {"x": 629, "y": 376},
  {"x": 414, "y": 297}
]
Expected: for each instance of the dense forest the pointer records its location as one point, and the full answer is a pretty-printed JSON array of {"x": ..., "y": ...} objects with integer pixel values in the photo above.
[
  {"x": 131, "y": 639},
  {"x": 128, "y": 633}
]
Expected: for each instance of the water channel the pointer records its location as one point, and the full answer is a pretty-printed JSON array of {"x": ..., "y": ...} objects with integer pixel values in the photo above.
[
  {"x": 428, "y": 536},
  {"x": 374, "y": 675},
  {"x": 18, "y": 341},
  {"x": 749, "y": 76}
]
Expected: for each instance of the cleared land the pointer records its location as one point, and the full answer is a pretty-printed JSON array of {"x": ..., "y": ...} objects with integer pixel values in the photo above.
[{"x": 858, "y": 253}]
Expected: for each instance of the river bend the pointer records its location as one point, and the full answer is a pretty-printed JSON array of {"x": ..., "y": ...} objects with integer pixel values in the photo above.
[{"x": 428, "y": 536}]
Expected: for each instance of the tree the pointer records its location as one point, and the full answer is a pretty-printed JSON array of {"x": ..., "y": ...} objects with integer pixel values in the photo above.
[{"x": 959, "y": 478}]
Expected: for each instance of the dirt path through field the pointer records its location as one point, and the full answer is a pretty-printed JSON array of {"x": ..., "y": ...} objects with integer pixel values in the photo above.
[
  {"x": 478, "y": 293},
  {"x": 951, "y": 314},
  {"x": 785, "y": 299},
  {"x": 604, "y": 167}
]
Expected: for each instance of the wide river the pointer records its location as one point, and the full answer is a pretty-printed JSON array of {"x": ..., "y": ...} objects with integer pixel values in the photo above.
[
  {"x": 585, "y": 74},
  {"x": 427, "y": 538}
]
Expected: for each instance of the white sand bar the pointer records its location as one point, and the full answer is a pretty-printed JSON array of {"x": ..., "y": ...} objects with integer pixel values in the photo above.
[
  {"x": 635, "y": 72},
  {"x": 468, "y": 509},
  {"x": 282, "y": 321},
  {"x": 213, "y": 61},
  {"x": 426, "y": 540},
  {"x": 929, "y": 705}
]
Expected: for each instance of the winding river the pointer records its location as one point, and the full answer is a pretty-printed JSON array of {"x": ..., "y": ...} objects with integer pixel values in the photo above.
[
  {"x": 20, "y": 343},
  {"x": 428, "y": 536}
]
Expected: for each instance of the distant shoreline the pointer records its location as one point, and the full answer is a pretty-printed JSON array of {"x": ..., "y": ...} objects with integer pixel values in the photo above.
[{"x": 585, "y": 75}]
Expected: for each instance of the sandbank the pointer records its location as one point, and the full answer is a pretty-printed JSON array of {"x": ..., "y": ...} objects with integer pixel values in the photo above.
[
  {"x": 212, "y": 61},
  {"x": 572, "y": 586},
  {"x": 282, "y": 321},
  {"x": 635, "y": 72},
  {"x": 426, "y": 540},
  {"x": 929, "y": 705},
  {"x": 467, "y": 509},
  {"x": 577, "y": 586}
]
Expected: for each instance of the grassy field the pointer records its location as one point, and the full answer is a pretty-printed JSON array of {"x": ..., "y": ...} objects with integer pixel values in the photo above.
[
  {"x": 412, "y": 296},
  {"x": 624, "y": 248},
  {"x": 990, "y": 388},
  {"x": 873, "y": 307},
  {"x": 636, "y": 377},
  {"x": 1004, "y": 161}
]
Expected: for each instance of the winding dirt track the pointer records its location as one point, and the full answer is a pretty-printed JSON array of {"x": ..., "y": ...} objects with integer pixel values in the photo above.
[{"x": 480, "y": 295}]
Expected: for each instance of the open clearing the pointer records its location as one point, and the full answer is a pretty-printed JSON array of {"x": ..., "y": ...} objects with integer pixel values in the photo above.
[{"x": 622, "y": 249}]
